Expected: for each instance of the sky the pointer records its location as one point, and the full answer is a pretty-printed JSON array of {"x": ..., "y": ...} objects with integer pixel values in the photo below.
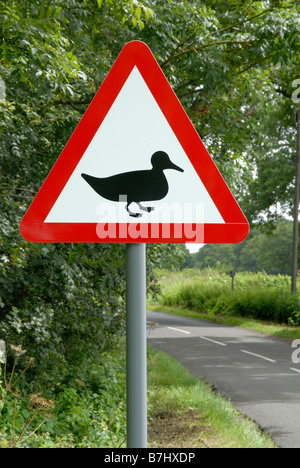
[{"x": 193, "y": 248}]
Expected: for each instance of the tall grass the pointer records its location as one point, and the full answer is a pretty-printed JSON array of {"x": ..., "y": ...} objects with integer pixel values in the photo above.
[{"x": 255, "y": 295}]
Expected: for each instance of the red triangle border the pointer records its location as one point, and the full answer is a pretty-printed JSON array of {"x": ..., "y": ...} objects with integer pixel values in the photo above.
[{"x": 136, "y": 53}]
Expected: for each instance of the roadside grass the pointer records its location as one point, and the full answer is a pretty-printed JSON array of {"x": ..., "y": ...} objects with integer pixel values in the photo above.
[
  {"x": 185, "y": 412},
  {"x": 260, "y": 302},
  {"x": 260, "y": 326}
]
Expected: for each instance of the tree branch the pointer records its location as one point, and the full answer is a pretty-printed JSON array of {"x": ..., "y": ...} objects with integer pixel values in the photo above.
[
  {"x": 239, "y": 23},
  {"x": 69, "y": 102},
  {"x": 189, "y": 93},
  {"x": 73, "y": 104},
  {"x": 284, "y": 93},
  {"x": 7, "y": 187},
  {"x": 252, "y": 64},
  {"x": 202, "y": 47}
]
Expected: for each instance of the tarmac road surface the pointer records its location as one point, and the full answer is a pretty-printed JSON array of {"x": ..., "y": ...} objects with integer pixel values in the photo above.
[{"x": 254, "y": 371}]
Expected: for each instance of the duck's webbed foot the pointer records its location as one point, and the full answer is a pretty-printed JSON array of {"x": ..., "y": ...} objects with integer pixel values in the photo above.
[
  {"x": 146, "y": 208},
  {"x": 133, "y": 215}
]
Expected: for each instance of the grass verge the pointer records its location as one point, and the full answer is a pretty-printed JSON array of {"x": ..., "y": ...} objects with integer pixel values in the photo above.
[
  {"x": 185, "y": 412},
  {"x": 260, "y": 326}
]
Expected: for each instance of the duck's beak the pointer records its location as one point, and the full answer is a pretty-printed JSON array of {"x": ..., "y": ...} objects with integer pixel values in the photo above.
[{"x": 176, "y": 168}]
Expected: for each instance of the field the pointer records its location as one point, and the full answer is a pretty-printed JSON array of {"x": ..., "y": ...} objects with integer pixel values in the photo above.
[{"x": 258, "y": 299}]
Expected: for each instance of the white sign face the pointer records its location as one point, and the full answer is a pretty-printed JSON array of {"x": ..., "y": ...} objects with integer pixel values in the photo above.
[{"x": 134, "y": 129}]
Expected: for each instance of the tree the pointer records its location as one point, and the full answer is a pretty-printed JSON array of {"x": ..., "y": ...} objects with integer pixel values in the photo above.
[
  {"x": 222, "y": 59},
  {"x": 216, "y": 256},
  {"x": 269, "y": 252},
  {"x": 275, "y": 255},
  {"x": 62, "y": 302},
  {"x": 225, "y": 60}
]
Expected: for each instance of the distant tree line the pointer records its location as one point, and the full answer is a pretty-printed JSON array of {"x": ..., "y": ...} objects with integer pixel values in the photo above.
[{"x": 261, "y": 251}]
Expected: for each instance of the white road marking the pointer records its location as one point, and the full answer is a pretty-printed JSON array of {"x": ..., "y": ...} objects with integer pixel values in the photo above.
[
  {"x": 177, "y": 329},
  {"x": 212, "y": 341},
  {"x": 203, "y": 337},
  {"x": 296, "y": 370},
  {"x": 257, "y": 355}
]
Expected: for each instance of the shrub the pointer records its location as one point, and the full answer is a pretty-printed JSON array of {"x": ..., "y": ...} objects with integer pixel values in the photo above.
[
  {"x": 86, "y": 410},
  {"x": 259, "y": 296}
]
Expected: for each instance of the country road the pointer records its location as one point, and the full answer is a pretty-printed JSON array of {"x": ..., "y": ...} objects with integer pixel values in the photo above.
[{"x": 254, "y": 371}]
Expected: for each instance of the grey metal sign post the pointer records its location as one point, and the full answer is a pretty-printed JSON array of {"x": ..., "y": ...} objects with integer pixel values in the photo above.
[{"x": 136, "y": 345}]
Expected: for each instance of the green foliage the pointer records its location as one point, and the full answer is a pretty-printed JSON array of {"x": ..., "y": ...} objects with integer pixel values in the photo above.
[
  {"x": 87, "y": 410},
  {"x": 262, "y": 304},
  {"x": 261, "y": 251},
  {"x": 231, "y": 67},
  {"x": 228, "y": 63},
  {"x": 21, "y": 415},
  {"x": 259, "y": 296},
  {"x": 63, "y": 303},
  {"x": 92, "y": 410}
]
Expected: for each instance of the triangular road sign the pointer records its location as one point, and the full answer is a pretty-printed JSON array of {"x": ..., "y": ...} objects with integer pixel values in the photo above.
[{"x": 135, "y": 170}]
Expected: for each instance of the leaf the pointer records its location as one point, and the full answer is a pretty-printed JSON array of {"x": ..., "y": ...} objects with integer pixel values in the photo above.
[
  {"x": 24, "y": 43},
  {"x": 57, "y": 12},
  {"x": 147, "y": 14},
  {"x": 141, "y": 25},
  {"x": 138, "y": 12},
  {"x": 33, "y": 51},
  {"x": 49, "y": 12},
  {"x": 42, "y": 12}
]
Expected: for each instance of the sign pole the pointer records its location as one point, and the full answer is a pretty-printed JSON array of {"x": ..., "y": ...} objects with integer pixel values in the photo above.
[
  {"x": 136, "y": 344},
  {"x": 296, "y": 210}
]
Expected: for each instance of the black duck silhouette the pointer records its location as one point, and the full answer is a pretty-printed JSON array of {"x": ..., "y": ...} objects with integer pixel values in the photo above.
[{"x": 136, "y": 186}]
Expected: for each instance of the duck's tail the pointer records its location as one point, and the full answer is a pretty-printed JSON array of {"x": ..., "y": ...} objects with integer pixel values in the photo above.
[
  {"x": 102, "y": 186},
  {"x": 87, "y": 178},
  {"x": 94, "y": 182}
]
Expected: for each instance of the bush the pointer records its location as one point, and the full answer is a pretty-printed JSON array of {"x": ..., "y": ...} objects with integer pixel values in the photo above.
[
  {"x": 263, "y": 304},
  {"x": 87, "y": 410},
  {"x": 259, "y": 296}
]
